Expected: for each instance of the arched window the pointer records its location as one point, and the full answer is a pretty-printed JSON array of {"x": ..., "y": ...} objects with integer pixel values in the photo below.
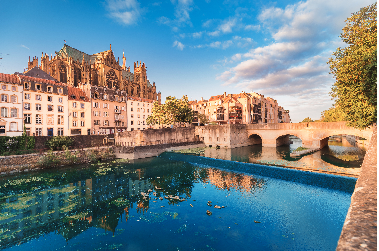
[
  {"x": 111, "y": 79},
  {"x": 62, "y": 73}
]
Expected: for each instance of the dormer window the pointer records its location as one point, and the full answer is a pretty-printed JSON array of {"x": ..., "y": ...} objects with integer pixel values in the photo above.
[
  {"x": 26, "y": 85},
  {"x": 60, "y": 90},
  {"x": 38, "y": 87},
  {"x": 73, "y": 96},
  {"x": 82, "y": 98},
  {"x": 105, "y": 96},
  {"x": 96, "y": 95},
  {"x": 49, "y": 89}
]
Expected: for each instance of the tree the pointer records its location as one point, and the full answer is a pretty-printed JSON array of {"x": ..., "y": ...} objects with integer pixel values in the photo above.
[
  {"x": 307, "y": 119},
  {"x": 354, "y": 68},
  {"x": 171, "y": 112},
  {"x": 202, "y": 119},
  {"x": 334, "y": 114}
]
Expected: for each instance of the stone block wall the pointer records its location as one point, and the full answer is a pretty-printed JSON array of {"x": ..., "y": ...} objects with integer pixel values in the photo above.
[{"x": 80, "y": 141}]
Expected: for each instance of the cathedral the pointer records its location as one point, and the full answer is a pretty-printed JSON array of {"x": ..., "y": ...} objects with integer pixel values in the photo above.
[{"x": 79, "y": 69}]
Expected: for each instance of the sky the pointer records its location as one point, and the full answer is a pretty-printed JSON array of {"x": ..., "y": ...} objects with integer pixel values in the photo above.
[{"x": 196, "y": 48}]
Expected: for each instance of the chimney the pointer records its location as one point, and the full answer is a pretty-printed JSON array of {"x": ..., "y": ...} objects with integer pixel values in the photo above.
[
  {"x": 202, "y": 99},
  {"x": 224, "y": 94}
]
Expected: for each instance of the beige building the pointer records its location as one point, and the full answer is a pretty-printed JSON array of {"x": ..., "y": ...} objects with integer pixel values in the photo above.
[
  {"x": 45, "y": 104},
  {"x": 11, "y": 123},
  {"x": 242, "y": 108},
  {"x": 138, "y": 111},
  {"x": 79, "y": 110}
]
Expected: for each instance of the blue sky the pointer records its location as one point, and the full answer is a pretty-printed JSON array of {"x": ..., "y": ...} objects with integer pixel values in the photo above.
[{"x": 195, "y": 48}]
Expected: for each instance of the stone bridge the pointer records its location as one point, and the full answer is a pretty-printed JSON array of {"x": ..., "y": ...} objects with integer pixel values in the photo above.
[{"x": 313, "y": 134}]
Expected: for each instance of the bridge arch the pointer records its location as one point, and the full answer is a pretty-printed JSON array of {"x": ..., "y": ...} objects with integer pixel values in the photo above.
[{"x": 255, "y": 139}]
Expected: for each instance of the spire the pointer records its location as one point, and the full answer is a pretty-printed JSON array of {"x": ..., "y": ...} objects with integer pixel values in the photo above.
[{"x": 110, "y": 46}]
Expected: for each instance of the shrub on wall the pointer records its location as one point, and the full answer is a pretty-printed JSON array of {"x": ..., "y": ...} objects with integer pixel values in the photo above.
[
  {"x": 57, "y": 142},
  {"x": 16, "y": 145}
]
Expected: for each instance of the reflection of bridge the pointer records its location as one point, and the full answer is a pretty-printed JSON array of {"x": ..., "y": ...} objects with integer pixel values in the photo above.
[{"x": 313, "y": 135}]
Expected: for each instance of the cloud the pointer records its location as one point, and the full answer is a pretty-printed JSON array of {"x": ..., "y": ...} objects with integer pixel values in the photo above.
[
  {"x": 304, "y": 35},
  {"x": 125, "y": 12},
  {"x": 25, "y": 47},
  {"x": 197, "y": 34},
  {"x": 182, "y": 15},
  {"x": 178, "y": 45},
  {"x": 252, "y": 27}
]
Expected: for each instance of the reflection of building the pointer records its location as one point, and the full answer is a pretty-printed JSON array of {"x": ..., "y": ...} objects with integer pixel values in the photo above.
[
  {"x": 227, "y": 180},
  {"x": 242, "y": 108},
  {"x": 10, "y": 105}
]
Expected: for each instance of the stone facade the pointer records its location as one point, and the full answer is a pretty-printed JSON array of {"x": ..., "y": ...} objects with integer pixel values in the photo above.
[
  {"x": 242, "y": 108},
  {"x": 11, "y": 122},
  {"x": 78, "y": 69}
]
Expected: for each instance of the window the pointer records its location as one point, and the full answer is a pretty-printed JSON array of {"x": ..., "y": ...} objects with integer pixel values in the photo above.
[
  {"x": 13, "y": 112},
  {"x": 105, "y": 105},
  {"x": 82, "y": 123},
  {"x": 82, "y": 105},
  {"x": 4, "y": 112},
  {"x": 27, "y": 106},
  {"x": 49, "y": 89},
  {"x": 27, "y": 96},
  {"x": 38, "y": 107},
  {"x": 4, "y": 98},
  {"x": 60, "y": 131},
  {"x": 27, "y": 119},
  {"x": 38, "y": 131},
  {"x": 14, "y": 99},
  {"x": 131, "y": 109},
  {"x": 60, "y": 100},
  {"x": 2, "y": 129},
  {"x": 50, "y": 98},
  {"x": 13, "y": 126},
  {"x": 38, "y": 87},
  {"x": 96, "y": 122},
  {"x": 96, "y": 113},
  {"x": 106, "y": 122},
  {"x": 4, "y": 87},
  {"x": 26, "y": 85},
  {"x": 105, "y": 96},
  {"x": 74, "y": 104},
  {"x": 138, "y": 116},
  {"x": 60, "y": 90},
  {"x": 50, "y": 108},
  {"x": 60, "y": 108},
  {"x": 50, "y": 119},
  {"x": 143, "y": 116},
  {"x": 147, "y": 110},
  {"x": 116, "y": 98},
  {"x": 138, "y": 103},
  {"x": 131, "y": 115},
  {"x": 75, "y": 114},
  {"x": 131, "y": 122},
  {"x": 105, "y": 114},
  {"x": 60, "y": 120},
  {"x": 38, "y": 119},
  {"x": 137, "y": 109},
  {"x": 95, "y": 104},
  {"x": 131, "y": 103},
  {"x": 38, "y": 97},
  {"x": 74, "y": 123},
  {"x": 82, "y": 114}
]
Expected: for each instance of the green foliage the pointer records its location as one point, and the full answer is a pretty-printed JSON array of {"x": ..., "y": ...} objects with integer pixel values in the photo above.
[
  {"x": 58, "y": 142},
  {"x": 69, "y": 157},
  {"x": 307, "y": 119},
  {"x": 355, "y": 69},
  {"x": 334, "y": 114},
  {"x": 16, "y": 145},
  {"x": 300, "y": 148},
  {"x": 49, "y": 160},
  {"x": 171, "y": 112},
  {"x": 202, "y": 118}
]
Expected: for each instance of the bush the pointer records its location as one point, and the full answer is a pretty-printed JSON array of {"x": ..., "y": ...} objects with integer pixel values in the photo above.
[
  {"x": 49, "y": 160},
  {"x": 57, "y": 142},
  {"x": 16, "y": 145}
]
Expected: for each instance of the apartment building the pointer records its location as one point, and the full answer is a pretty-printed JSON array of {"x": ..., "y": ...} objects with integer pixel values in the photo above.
[
  {"x": 108, "y": 110},
  {"x": 138, "y": 111},
  {"x": 242, "y": 108},
  {"x": 79, "y": 110},
  {"x": 45, "y": 105},
  {"x": 10, "y": 105}
]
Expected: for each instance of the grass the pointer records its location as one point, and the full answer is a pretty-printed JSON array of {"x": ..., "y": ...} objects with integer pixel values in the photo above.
[{"x": 300, "y": 148}]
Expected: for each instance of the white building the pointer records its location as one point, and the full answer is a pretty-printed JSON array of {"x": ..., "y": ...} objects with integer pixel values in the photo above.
[
  {"x": 138, "y": 109},
  {"x": 11, "y": 123}
]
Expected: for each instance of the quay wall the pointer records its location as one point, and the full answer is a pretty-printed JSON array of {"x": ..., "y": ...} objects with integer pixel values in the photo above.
[{"x": 359, "y": 231}]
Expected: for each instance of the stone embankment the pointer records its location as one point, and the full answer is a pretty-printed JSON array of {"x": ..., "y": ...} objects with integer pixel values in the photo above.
[
  {"x": 34, "y": 161},
  {"x": 360, "y": 228}
]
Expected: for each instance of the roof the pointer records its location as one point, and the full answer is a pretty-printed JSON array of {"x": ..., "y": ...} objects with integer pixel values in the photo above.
[
  {"x": 140, "y": 99},
  {"x": 9, "y": 78},
  {"x": 217, "y": 97},
  {"x": 38, "y": 73},
  {"x": 77, "y": 94},
  {"x": 41, "y": 80},
  {"x": 68, "y": 51}
]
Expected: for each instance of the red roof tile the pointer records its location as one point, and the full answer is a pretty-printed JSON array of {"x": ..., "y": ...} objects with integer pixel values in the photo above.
[
  {"x": 41, "y": 80},
  {"x": 76, "y": 94},
  {"x": 9, "y": 78}
]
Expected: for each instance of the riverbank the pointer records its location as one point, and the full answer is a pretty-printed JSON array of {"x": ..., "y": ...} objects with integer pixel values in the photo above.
[{"x": 360, "y": 228}]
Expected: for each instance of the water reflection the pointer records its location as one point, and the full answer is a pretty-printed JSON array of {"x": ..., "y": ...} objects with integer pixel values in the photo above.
[
  {"x": 338, "y": 157},
  {"x": 69, "y": 202}
]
